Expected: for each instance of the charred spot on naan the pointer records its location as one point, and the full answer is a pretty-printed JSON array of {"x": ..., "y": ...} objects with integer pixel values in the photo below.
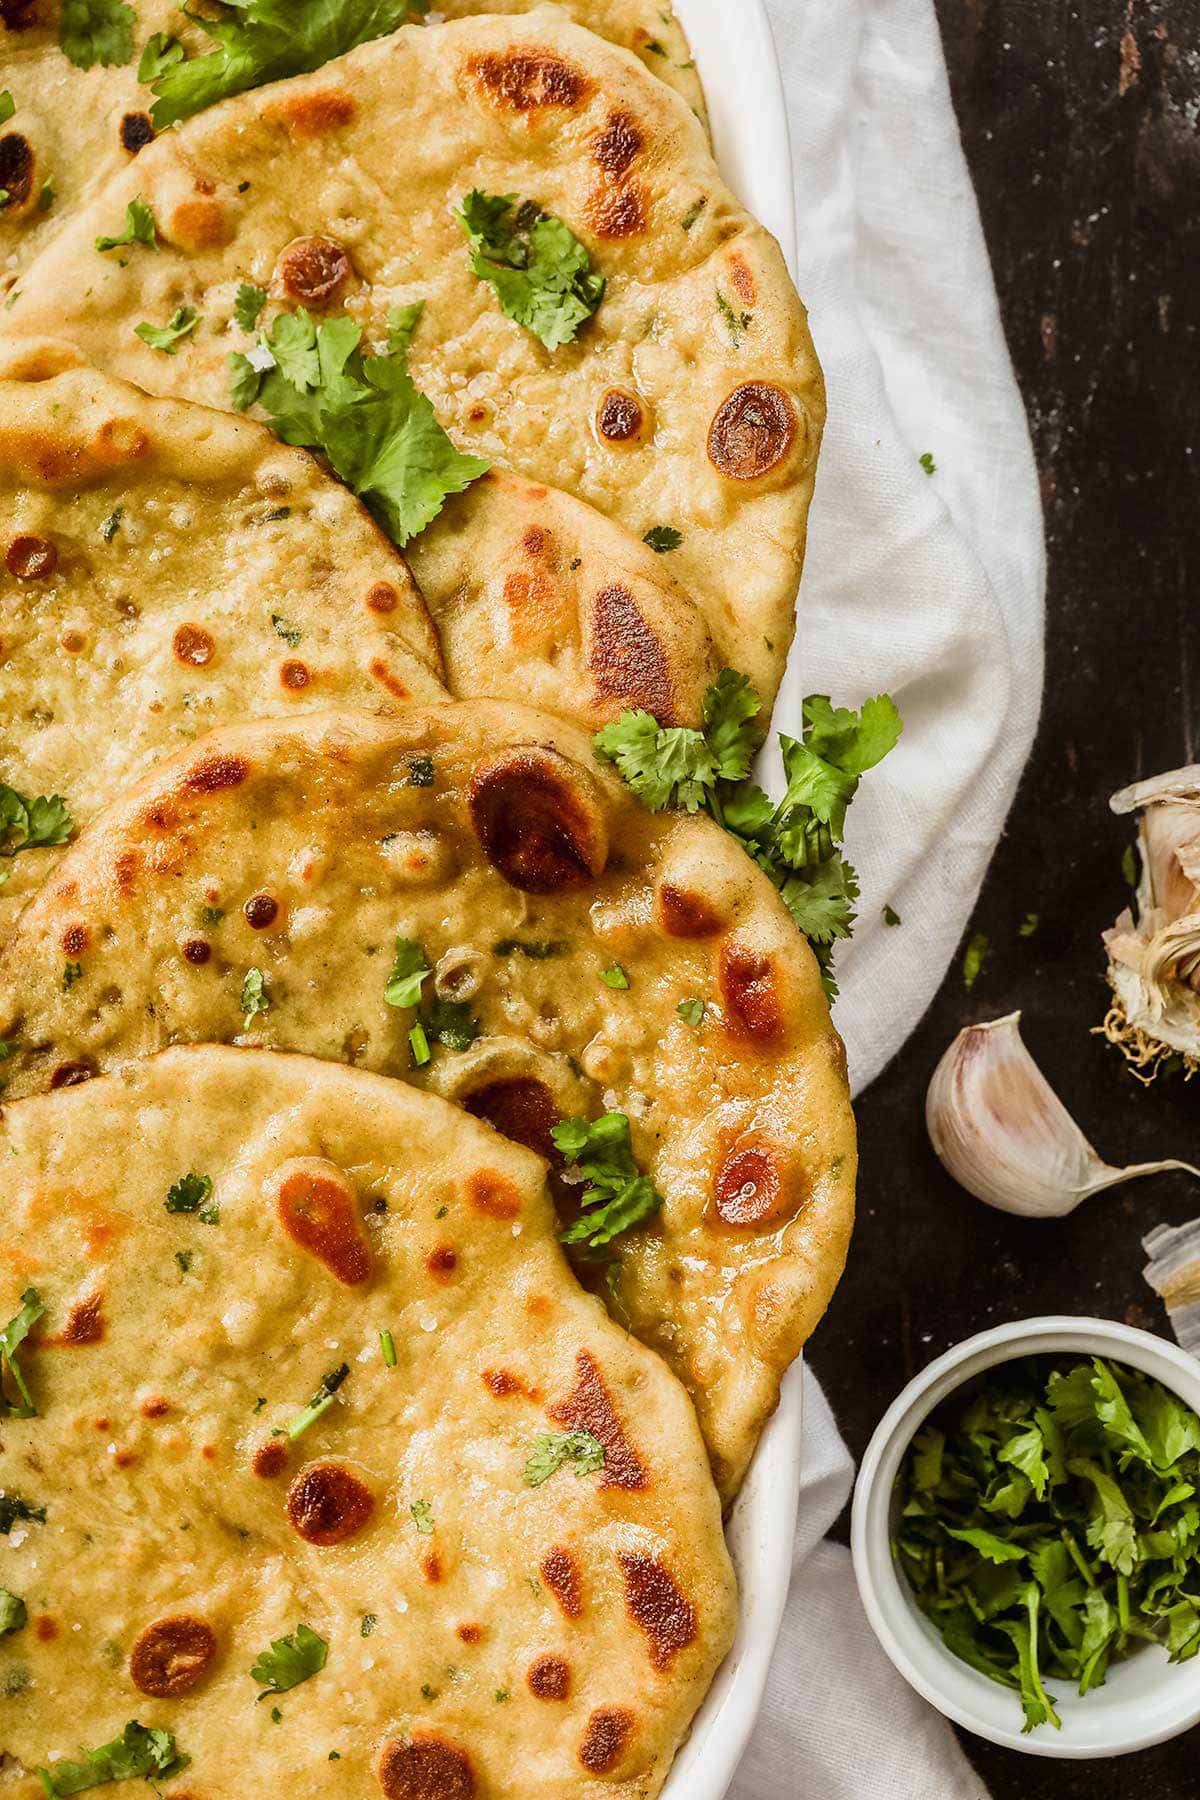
[
  {"x": 560, "y": 1570},
  {"x": 606, "y": 1739},
  {"x": 319, "y": 1210},
  {"x": 135, "y": 131},
  {"x": 752, "y": 432},
  {"x": 682, "y": 913},
  {"x": 528, "y": 80},
  {"x": 752, "y": 992},
  {"x": 539, "y": 819},
  {"x": 172, "y": 1656},
  {"x": 18, "y": 168},
  {"x": 759, "y": 1185},
  {"x": 426, "y": 1766},
  {"x": 549, "y": 1678},
  {"x": 312, "y": 112},
  {"x": 626, "y": 658},
  {"x": 493, "y": 1194},
  {"x": 660, "y": 1611},
  {"x": 314, "y": 271},
  {"x": 30, "y": 558},
  {"x": 588, "y": 1407},
  {"x": 328, "y": 1503},
  {"x": 621, "y": 417}
]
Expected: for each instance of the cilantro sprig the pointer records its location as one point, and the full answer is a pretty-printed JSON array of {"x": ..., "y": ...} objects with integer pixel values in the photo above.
[
  {"x": 11, "y": 1339},
  {"x": 379, "y": 432},
  {"x": 797, "y": 841},
  {"x": 267, "y": 40},
  {"x": 541, "y": 272},
  {"x": 28, "y": 824},
  {"x": 618, "y": 1197},
  {"x": 96, "y": 31},
  {"x": 141, "y": 227},
  {"x": 166, "y": 337},
  {"x": 139, "y": 1750},
  {"x": 554, "y": 1450},
  {"x": 290, "y": 1660},
  {"x": 1050, "y": 1521}
]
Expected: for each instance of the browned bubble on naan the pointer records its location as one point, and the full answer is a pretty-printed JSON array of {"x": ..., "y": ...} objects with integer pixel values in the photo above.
[
  {"x": 73, "y": 128},
  {"x": 691, "y": 403},
  {"x": 165, "y": 568},
  {"x": 277, "y": 862},
  {"x": 486, "y": 1639}
]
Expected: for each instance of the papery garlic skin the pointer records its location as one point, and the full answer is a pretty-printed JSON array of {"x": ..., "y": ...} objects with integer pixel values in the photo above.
[
  {"x": 1154, "y": 960},
  {"x": 998, "y": 1127}
]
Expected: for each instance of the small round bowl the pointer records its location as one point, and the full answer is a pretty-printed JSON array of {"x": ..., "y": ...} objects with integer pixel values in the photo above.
[{"x": 1145, "y": 1699}]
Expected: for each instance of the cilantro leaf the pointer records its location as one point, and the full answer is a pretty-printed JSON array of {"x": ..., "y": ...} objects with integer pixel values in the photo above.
[
  {"x": 268, "y": 40},
  {"x": 96, "y": 31},
  {"x": 12, "y": 1613},
  {"x": 8, "y": 106},
  {"x": 138, "y": 1751},
  {"x": 422, "y": 1517},
  {"x": 27, "y": 824},
  {"x": 188, "y": 1194},
  {"x": 554, "y": 1450},
  {"x": 320, "y": 1403},
  {"x": 289, "y": 1661},
  {"x": 166, "y": 337},
  {"x": 691, "y": 1011},
  {"x": 408, "y": 972},
  {"x": 618, "y": 1197},
  {"x": 364, "y": 413},
  {"x": 662, "y": 538},
  {"x": 541, "y": 272},
  {"x": 452, "y": 1023},
  {"x": 140, "y": 228},
  {"x": 13, "y": 1508},
  {"x": 247, "y": 308},
  {"x": 11, "y": 1339},
  {"x": 255, "y": 998},
  {"x": 161, "y": 52}
]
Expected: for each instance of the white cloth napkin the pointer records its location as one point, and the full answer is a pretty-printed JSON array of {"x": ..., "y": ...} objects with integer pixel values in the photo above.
[{"x": 929, "y": 587}]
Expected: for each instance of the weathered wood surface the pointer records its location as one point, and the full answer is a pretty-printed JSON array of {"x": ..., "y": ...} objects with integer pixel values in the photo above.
[{"x": 1082, "y": 126}]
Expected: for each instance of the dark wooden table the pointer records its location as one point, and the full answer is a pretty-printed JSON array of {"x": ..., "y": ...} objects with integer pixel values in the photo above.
[{"x": 1081, "y": 120}]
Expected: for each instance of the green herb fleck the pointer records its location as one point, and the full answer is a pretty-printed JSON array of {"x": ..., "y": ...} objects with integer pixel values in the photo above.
[
  {"x": 662, "y": 538},
  {"x": 112, "y": 524},
  {"x": 72, "y": 972},
  {"x": 12, "y": 1613},
  {"x": 691, "y": 1011},
  {"x": 614, "y": 977},
  {"x": 255, "y": 998},
  {"x": 27, "y": 824},
  {"x": 555, "y": 1449},
  {"x": 453, "y": 1024},
  {"x": 536, "y": 949},
  {"x": 737, "y": 324},
  {"x": 166, "y": 337},
  {"x": 422, "y": 1517},
  {"x": 189, "y": 1195},
  {"x": 1129, "y": 866},
  {"x": 320, "y": 1403},
  {"x": 975, "y": 959},
  {"x": 541, "y": 272},
  {"x": 8, "y": 106},
  {"x": 409, "y": 971},
  {"x": 693, "y": 212},
  {"x": 11, "y": 1339},
  {"x": 387, "y": 1344},
  {"x": 418, "y": 1045},
  {"x": 927, "y": 463},
  {"x": 140, "y": 228},
  {"x": 12, "y": 1508},
  {"x": 369, "y": 1622},
  {"x": 184, "y": 1258},
  {"x": 891, "y": 916},
  {"x": 1029, "y": 925},
  {"x": 291, "y": 634},
  {"x": 138, "y": 1751},
  {"x": 211, "y": 916},
  {"x": 421, "y": 771},
  {"x": 289, "y": 1661}
]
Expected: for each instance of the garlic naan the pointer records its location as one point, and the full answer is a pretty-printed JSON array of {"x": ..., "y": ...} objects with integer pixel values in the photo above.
[
  {"x": 252, "y": 887},
  {"x": 219, "y": 1237},
  {"x": 692, "y": 402},
  {"x": 163, "y": 569}
]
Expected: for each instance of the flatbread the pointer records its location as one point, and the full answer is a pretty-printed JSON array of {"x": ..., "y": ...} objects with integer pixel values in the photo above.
[
  {"x": 77, "y": 127},
  {"x": 484, "y": 1637},
  {"x": 163, "y": 569},
  {"x": 692, "y": 401},
  {"x": 488, "y": 835}
]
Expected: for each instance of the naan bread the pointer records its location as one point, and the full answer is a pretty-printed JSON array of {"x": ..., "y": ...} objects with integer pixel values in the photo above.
[
  {"x": 692, "y": 400},
  {"x": 76, "y": 127},
  {"x": 163, "y": 569},
  {"x": 487, "y": 834},
  {"x": 484, "y": 1637}
]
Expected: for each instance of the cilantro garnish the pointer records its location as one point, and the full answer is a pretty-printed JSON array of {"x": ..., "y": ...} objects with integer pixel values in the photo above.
[
  {"x": 11, "y": 1339},
  {"x": 291, "y": 634},
  {"x": 96, "y": 31},
  {"x": 27, "y": 824},
  {"x": 12, "y": 1613},
  {"x": 975, "y": 959},
  {"x": 618, "y": 1197},
  {"x": 536, "y": 949},
  {"x": 408, "y": 972},
  {"x": 541, "y": 272},
  {"x": 321, "y": 1401},
  {"x": 267, "y": 40},
  {"x": 161, "y": 53},
  {"x": 72, "y": 972},
  {"x": 8, "y": 106},
  {"x": 662, "y": 538},
  {"x": 387, "y": 1345},
  {"x": 418, "y": 1043},
  {"x": 289, "y": 1661},
  {"x": 255, "y": 998},
  {"x": 552, "y": 1451},
  {"x": 927, "y": 463},
  {"x": 452, "y": 1023},
  {"x": 110, "y": 526},
  {"x": 138, "y": 1751},
  {"x": 1050, "y": 1522},
  {"x": 364, "y": 413},
  {"x": 12, "y": 1508},
  {"x": 422, "y": 1515},
  {"x": 737, "y": 324},
  {"x": 166, "y": 337},
  {"x": 796, "y": 842},
  {"x": 140, "y": 228},
  {"x": 614, "y": 977},
  {"x": 189, "y": 1195},
  {"x": 247, "y": 308},
  {"x": 691, "y": 1011},
  {"x": 891, "y": 916},
  {"x": 369, "y": 1622}
]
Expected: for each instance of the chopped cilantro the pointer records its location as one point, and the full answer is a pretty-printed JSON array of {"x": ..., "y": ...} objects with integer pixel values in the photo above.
[
  {"x": 420, "y": 771},
  {"x": 891, "y": 916},
  {"x": 8, "y": 1047},
  {"x": 975, "y": 959},
  {"x": 11, "y": 1339},
  {"x": 211, "y": 916},
  {"x": 387, "y": 1344},
  {"x": 662, "y": 538},
  {"x": 184, "y": 1259},
  {"x": 795, "y": 842},
  {"x": 654, "y": 47},
  {"x": 112, "y": 524},
  {"x": 408, "y": 972},
  {"x": 552, "y": 1451},
  {"x": 1129, "y": 865},
  {"x": 320, "y": 1403},
  {"x": 737, "y": 324},
  {"x": 12, "y": 1613},
  {"x": 47, "y": 195},
  {"x": 693, "y": 212},
  {"x": 418, "y": 1044},
  {"x": 138, "y": 1751},
  {"x": 291, "y": 634},
  {"x": 96, "y": 31},
  {"x": 166, "y": 337},
  {"x": 502, "y": 1696},
  {"x": 453, "y": 1024},
  {"x": 8, "y": 106},
  {"x": 422, "y": 1514},
  {"x": 276, "y": 1715},
  {"x": 247, "y": 308},
  {"x": 691, "y": 1011},
  {"x": 27, "y": 824},
  {"x": 268, "y": 40},
  {"x": 927, "y": 463},
  {"x": 189, "y": 1194},
  {"x": 255, "y": 998},
  {"x": 536, "y": 949},
  {"x": 161, "y": 53},
  {"x": 12, "y": 1508},
  {"x": 72, "y": 972},
  {"x": 618, "y": 1197},
  {"x": 364, "y": 413},
  {"x": 289, "y": 1661},
  {"x": 541, "y": 272},
  {"x": 1029, "y": 925},
  {"x": 614, "y": 977},
  {"x": 140, "y": 228},
  {"x": 369, "y": 1622}
]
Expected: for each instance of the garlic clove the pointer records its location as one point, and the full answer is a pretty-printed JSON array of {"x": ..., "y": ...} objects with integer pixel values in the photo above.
[
  {"x": 1154, "y": 961},
  {"x": 1001, "y": 1131},
  {"x": 1174, "y": 1273}
]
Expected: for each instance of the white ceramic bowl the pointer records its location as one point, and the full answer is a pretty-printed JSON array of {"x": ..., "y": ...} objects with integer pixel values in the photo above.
[{"x": 1144, "y": 1700}]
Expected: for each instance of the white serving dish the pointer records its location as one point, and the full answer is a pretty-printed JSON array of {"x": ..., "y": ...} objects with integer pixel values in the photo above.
[
  {"x": 1144, "y": 1700},
  {"x": 735, "y": 55}
]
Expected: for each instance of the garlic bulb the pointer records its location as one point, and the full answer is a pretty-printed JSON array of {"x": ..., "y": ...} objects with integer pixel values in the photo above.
[
  {"x": 1154, "y": 963},
  {"x": 1003, "y": 1133}
]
